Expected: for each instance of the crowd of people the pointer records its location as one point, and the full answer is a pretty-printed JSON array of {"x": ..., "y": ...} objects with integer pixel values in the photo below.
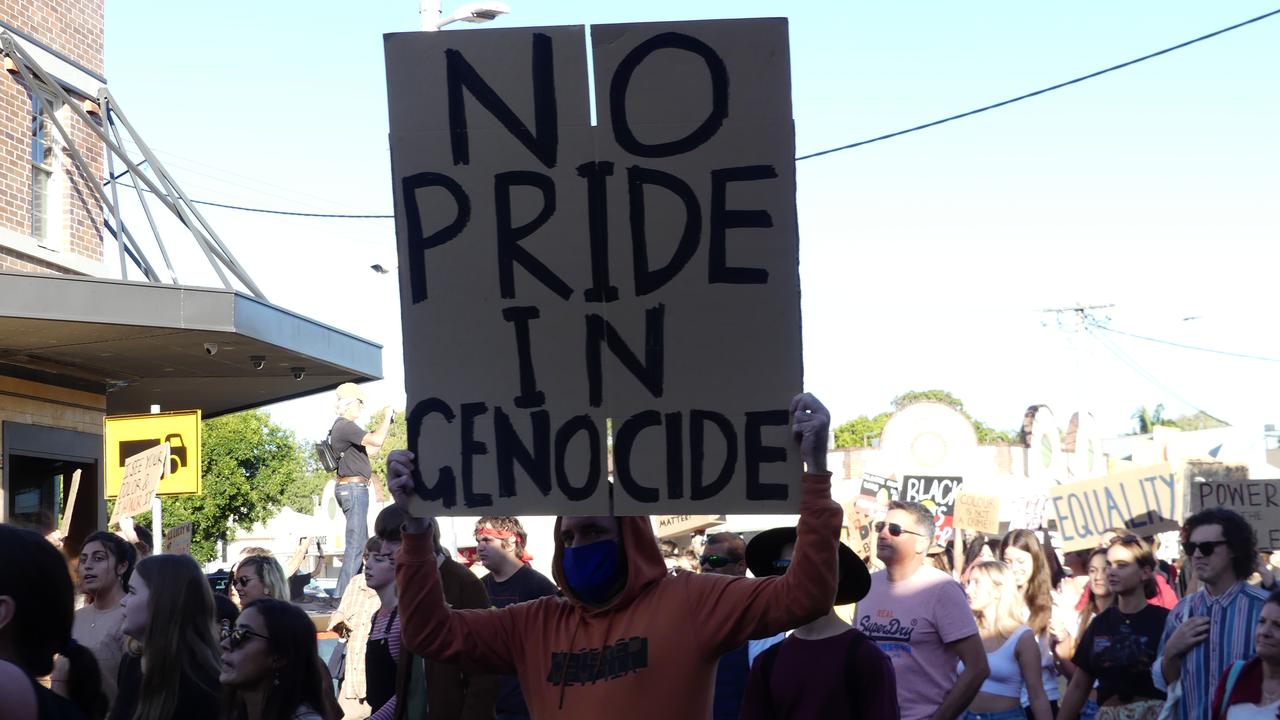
[{"x": 792, "y": 624}]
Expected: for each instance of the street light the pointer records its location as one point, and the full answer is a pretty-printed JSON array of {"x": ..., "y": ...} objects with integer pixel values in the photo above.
[{"x": 477, "y": 12}]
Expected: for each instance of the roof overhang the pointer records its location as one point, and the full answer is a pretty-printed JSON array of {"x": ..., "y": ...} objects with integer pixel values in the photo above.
[{"x": 142, "y": 344}]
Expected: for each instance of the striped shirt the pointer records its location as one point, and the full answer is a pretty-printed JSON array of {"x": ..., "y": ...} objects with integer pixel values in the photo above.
[{"x": 1233, "y": 619}]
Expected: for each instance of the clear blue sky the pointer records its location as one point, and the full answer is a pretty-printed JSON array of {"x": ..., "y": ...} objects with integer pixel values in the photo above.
[{"x": 925, "y": 259}]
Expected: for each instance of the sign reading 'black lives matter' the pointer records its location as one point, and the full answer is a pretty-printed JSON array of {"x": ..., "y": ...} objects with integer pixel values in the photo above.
[{"x": 564, "y": 283}]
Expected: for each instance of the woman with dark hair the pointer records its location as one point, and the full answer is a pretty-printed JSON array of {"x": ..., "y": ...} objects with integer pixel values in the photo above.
[
  {"x": 1251, "y": 689},
  {"x": 169, "y": 610},
  {"x": 976, "y": 550},
  {"x": 1120, "y": 645},
  {"x": 106, "y": 564},
  {"x": 271, "y": 668},
  {"x": 1022, "y": 552},
  {"x": 36, "y": 613}
]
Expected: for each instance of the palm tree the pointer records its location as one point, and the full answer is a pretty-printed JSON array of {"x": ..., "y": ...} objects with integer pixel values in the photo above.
[{"x": 1147, "y": 421}]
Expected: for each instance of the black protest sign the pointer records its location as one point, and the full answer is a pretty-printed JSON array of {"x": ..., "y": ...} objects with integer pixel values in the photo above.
[
  {"x": 936, "y": 493},
  {"x": 559, "y": 277}
]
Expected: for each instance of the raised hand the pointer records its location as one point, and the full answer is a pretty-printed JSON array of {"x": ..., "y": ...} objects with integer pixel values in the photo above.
[{"x": 811, "y": 421}]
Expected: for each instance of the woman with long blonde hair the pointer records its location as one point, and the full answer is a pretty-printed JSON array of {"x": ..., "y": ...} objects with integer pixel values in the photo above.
[
  {"x": 258, "y": 577},
  {"x": 1012, "y": 652},
  {"x": 1022, "y": 552}
]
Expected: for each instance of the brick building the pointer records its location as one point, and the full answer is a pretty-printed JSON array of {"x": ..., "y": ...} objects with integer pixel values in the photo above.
[{"x": 77, "y": 345}]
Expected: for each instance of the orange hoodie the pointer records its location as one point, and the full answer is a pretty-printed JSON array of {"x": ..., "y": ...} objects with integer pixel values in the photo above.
[{"x": 652, "y": 651}]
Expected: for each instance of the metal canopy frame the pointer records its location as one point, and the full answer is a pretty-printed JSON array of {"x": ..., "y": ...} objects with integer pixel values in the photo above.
[{"x": 159, "y": 183}]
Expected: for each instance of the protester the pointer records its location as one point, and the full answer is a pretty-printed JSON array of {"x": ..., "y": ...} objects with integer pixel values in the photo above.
[
  {"x": 1096, "y": 598},
  {"x": 825, "y": 669},
  {"x": 1012, "y": 652},
  {"x": 975, "y": 551},
  {"x": 106, "y": 564},
  {"x": 627, "y": 640},
  {"x": 1118, "y": 648},
  {"x": 169, "y": 610},
  {"x": 382, "y": 650},
  {"x": 258, "y": 577},
  {"x": 351, "y": 444},
  {"x": 1036, "y": 575},
  {"x": 270, "y": 667},
  {"x": 500, "y": 547},
  {"x": 726, "y": 554},
  {"x": 921, "y": 619},
  {"x": 36, "y": 616},
  {"x": 352, "y": 622},
  {"x": 429, "y": 688},
  {"x": 1251, "y": 690},
  {"x": 1213, "y": 627}
]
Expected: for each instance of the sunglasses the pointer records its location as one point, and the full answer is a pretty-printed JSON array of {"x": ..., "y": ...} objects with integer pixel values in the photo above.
[
  {"x": 1126, "y": 539},
  {"x": 242, "y": 581},
  {"x": 235, "y": 637},
  {"x": 895, "y": 529},
  {"x": 1206, "y": 548},
  {"x": 781, "y": 564},
  {"x": 716, "y": 561}
]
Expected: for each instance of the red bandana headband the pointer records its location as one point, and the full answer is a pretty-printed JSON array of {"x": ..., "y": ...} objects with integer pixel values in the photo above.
[{"x": 495, "y": 534}]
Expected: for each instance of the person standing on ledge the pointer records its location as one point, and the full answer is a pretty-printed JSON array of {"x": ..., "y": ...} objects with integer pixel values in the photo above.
[
  {"x": 627, "y": 641},
  {"x": 351, "y": 444}
]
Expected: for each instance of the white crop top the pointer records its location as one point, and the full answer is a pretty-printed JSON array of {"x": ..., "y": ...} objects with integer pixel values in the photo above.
[{"x": 1006, "y": 677}]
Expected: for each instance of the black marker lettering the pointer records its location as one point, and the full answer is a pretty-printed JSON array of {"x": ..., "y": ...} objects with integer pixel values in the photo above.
[
  {"x": 470, "y": 448},
  {"x": 722, "y": 220},
  {"x": 648, "y": 280},
  {"x": 566, "y": 433},
  {"x": 530, "y": 396},
  {"x": 622, "y": 444},
  {"x": 698, "y": 450},
  {"x": 510, "y": 450},
  {"x": 446, "y": 488},
  {"x": 419, "y": 244},
  {"x": 543, "y": 142},
  {"x": 510, "y": 251},
  {"x": 759, "y": 453},
  {"x": 649, "y": 373},
  {"x": 598, "y": 228},
  {"x": 622, "y": 80}
]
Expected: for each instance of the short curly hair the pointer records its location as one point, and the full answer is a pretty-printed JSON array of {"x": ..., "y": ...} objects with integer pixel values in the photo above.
[{"x": 1241, "y": 540}]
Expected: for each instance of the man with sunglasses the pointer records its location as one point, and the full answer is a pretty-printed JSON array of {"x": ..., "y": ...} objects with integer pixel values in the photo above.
[
  {"x": 1213, "y": 627},
  {"x": 726, "y": 554},
  {"x": 920, "y": 618}
]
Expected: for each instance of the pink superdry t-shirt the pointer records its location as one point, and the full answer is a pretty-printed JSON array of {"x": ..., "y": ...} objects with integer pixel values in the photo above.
[{"x": 912, "y": 621}]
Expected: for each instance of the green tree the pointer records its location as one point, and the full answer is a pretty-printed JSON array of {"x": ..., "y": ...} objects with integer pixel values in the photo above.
[
  {"x": 1145, "y": 421},
  {"x": 862, "y": 430},
  {"x": 250, "y": 468}
]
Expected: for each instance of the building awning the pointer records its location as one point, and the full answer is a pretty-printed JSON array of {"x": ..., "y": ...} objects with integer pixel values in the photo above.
[{"x": 142, "y": 344}]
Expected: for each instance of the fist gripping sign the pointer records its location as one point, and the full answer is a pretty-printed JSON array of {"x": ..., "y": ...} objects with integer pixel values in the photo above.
[{"x": 574, "y": 294}]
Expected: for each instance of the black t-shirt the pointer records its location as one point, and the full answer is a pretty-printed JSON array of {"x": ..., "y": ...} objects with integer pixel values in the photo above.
[
  {"x": 1118, "y": 651},
  {"x": 347, "y": 439},
  {"x": 526, "y": 584}
]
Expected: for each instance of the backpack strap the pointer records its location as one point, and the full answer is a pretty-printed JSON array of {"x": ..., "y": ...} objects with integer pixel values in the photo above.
[{"x": 1232, "y": 676}]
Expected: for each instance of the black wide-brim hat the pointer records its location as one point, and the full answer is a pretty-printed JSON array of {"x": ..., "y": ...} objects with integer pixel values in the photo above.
[{"x": 854, "y": 582}]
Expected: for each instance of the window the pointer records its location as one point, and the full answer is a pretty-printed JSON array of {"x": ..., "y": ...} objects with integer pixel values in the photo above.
[{"x": 45, "y": 219}]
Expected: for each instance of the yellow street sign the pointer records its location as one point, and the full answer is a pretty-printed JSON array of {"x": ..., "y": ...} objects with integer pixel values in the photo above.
[{"x": 127, "y": 435}]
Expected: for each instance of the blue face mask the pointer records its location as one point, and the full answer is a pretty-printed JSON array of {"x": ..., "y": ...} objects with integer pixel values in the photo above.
[{"x": 591, "y": 570}]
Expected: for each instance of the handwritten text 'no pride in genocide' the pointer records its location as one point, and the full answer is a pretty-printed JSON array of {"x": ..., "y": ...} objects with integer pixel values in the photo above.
[{"x": 557, "y": 276}]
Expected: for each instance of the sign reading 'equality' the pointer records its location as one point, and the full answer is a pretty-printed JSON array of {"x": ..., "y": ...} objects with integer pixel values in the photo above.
[
  {"x": 1146, "y": 500},
  {"x": 557, "y": 277}
]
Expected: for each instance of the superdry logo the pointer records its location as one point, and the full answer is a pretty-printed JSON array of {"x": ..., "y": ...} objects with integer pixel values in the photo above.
[
  {"x": 891, "y": 630},
  {"x": 589, "y": 666}
]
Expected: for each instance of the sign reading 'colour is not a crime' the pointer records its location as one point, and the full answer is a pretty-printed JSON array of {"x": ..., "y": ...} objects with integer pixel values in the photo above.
[{"x": 560, "y": 279}]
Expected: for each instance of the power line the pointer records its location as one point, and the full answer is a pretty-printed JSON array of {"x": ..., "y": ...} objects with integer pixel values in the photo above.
[
  {"x": 1042, "y": 91},
  {"x": 1184, "y": 346},
  {"x": 1124, "y": 358},
  {"x": 820, "y": 153}
]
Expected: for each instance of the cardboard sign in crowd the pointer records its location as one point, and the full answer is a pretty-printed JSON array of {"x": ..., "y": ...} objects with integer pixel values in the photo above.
[
  {"x": 570, "y": 290},
  {"x": 142, "y": 475}
]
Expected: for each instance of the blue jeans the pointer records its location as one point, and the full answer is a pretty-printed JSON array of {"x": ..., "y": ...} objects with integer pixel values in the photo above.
[
  {"x": 1090, "y": 710},
  {"x": 353, "y": 498},
  {"x": 1011, "y": 714}
]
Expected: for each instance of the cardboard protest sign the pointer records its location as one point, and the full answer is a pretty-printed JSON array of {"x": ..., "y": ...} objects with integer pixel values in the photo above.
[
  {"x": 142, "y": 475},
  {"x": 977, "y": 512},
  {"x": 558, "y": 279},
  {"x": 672, "y": 525},
  {"x": 936, "y": 493},
  {"x": 177, "y": 539},
  {"x": 1258, "y": 501},
  {"x": 1146, "y": 500},
  {"x": 64, "y": 526},
  {"x": 861, "y": 535},
  {"x": 1029, "y": 512}
]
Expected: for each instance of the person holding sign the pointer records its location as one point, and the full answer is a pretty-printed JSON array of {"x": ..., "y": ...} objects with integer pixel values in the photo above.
[
  {"x": 1119, "y": 646},
  {"x": 351, "y": 444},
  {"x": 627, "y": 640},
  {"x": 1214, "y": 626}
]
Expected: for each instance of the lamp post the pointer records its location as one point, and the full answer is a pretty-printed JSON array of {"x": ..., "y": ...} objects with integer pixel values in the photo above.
[{"x": 433, "y": 18}]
